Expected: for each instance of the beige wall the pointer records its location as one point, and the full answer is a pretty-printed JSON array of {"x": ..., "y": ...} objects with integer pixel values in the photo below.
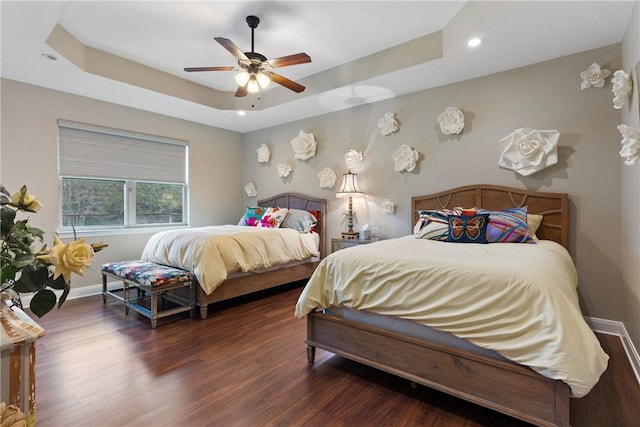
[
  {"x": 28, "y": 155},
  {"x": 630, "y": 190},
  {"x": 541, "y": 96}
]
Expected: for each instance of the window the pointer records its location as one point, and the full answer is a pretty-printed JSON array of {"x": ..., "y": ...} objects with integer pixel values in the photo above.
[{"x": 118, "y": 179}]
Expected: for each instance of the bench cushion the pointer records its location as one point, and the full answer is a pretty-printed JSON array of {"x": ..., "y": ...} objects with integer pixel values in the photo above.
[{"x": 147, "y": 273}]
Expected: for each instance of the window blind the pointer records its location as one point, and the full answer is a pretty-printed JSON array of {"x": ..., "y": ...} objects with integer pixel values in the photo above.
[{"x": 94, "y": 151}]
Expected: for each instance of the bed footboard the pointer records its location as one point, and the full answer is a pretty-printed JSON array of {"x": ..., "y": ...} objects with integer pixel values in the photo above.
[{"x": 506, "y": 387}]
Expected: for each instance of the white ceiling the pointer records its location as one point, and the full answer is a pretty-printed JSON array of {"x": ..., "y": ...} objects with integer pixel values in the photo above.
[{"x": 168, "y": 36}]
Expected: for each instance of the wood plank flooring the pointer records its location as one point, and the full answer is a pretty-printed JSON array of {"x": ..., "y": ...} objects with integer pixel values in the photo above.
[{"x": 246, "y": 366}]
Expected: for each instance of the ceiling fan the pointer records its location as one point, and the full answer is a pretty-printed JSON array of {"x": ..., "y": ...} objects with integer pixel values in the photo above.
[{"x": 256, "y": 68}]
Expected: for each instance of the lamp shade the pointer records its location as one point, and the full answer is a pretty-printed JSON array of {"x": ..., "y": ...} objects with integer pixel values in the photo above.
[
  {"x": 242, "y": 78},
  {"x": 252, "y": 85},
  {"x": 263, "y": 80},
  {"x": 349, "y": 185}
]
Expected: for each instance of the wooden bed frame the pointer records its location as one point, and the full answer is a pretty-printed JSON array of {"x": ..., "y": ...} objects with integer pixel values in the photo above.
[
  {"x": 249, "y": 283},
  {"x": 504, "y": 386}
]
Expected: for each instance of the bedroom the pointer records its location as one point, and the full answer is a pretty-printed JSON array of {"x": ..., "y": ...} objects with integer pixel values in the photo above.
[{"x": 549, "y": 92}]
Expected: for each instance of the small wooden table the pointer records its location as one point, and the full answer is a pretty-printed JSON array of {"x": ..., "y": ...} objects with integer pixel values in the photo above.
[
  {"x": 337, "y": 244},
  {"x": 18, "y": 335}
]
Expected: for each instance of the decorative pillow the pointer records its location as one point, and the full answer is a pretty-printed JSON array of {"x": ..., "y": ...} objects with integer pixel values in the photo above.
[
  {"x": 316, "y": 215},
  {"x": 468, "y": 228},
  {"x": 252, "y": 216},
  {"x": 507, "y": 226},
  {"x": 300, "y": 220},
  {"x": 433, "y": 224},
  {"x": 273, "y": 217},
  {"x": 533, "y": 222}
]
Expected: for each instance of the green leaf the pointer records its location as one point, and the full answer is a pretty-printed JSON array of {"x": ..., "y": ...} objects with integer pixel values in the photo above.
[
  {"x": 33, "y": 278},
  {"x": 64, "y": 295},
  {"x": 36, "y": 232},
  {"x": 58, "y": 283},
  {"x": 8, "y": 215},
  {"x": 8, "y": 272},
  {"x": 42, "y": 302}
]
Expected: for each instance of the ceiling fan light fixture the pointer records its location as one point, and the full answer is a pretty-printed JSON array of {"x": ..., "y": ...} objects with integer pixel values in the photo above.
[
  {"x": 263, "y": 80},
  {"x": 252, "y": 85},
  {"x": 242, "y": 78}
]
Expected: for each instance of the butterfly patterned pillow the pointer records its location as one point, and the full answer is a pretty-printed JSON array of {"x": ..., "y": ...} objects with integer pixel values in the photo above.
[
  {"x": 273, "y": 217},
  {"x": 433, "y": 224},
  {"x": 508, "y": 226},
  {"x": 468, "y": 228}
]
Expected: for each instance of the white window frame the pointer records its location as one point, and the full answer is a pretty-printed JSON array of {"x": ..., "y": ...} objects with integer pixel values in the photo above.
[{"x": 112, "y": 152}]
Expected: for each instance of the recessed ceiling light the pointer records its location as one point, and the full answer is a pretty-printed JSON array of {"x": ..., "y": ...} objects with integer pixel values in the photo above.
[
  {"x": 49, "y": 57},
  {"x": 473, "y": 42},
  {"x": 241, "y": 113}
]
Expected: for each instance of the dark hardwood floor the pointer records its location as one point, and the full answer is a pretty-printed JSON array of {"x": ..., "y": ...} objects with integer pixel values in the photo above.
[{"x": 246, "y": 366}]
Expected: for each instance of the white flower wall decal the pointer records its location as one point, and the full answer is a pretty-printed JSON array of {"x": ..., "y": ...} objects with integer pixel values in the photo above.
[
  {"x": 388, "y": 124},
  {"x": 327, "y": 178},
  {"x": 527, "y": 151},
  {"x": 264, "y": 154},
  {"x": 593, "y": 76},
  {"x": 353, "y": 158},
  {"x": 304, "y": 146},
  {"x": 451, "y": 121},
  {"x": 284, "y": 169},
  {"x": 388, "y": 206},
  {"x": 630, "y": 144},
  {"x": 250, "y": 189},
  {"x": 621, "y": 88},
  {"x": 405, "y": 159}
]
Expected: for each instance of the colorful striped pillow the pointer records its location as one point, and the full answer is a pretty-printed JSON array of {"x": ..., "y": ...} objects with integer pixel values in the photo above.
[{"x": 508, "y": 226}]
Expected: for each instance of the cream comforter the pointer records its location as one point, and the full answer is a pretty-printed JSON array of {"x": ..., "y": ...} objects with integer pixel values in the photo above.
[
  {"x": 211, "y": 253},
  {"x": 517, "y": 299}
]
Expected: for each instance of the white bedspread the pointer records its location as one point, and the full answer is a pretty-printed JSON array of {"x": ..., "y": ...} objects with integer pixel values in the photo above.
[
  {"x": 211, "y": 253},
  {"x": 517, "y": 299}
]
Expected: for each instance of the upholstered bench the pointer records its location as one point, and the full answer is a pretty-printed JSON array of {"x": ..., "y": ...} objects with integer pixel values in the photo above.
[{"x": 154, "y": 279}]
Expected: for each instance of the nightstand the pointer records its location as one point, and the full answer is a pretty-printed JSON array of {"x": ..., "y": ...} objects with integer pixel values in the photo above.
[{"x": 337, "y": 244}]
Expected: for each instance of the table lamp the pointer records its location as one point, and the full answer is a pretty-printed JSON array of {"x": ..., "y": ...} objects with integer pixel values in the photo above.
[{"x": 349, "y": 189}]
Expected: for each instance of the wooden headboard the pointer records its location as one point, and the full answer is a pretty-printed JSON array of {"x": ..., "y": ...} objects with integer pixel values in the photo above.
[
  {"x": 299, "y": 201},
  {"x": 553, "y": 206}
]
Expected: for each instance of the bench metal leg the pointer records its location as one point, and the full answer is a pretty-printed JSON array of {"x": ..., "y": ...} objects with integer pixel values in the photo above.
[
  {"x": 104, "y": 289},
  {"x": 154, "y": 309},
  {"x": 125, "y": 291}
]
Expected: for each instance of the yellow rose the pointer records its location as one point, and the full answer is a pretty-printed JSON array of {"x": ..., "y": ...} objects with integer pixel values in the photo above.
[
  {"x": 25, "y": 201},
  {"x": 69, "y": 258}
]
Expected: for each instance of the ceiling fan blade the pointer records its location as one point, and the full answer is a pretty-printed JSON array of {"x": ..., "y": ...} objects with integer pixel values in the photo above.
[
  {"x": 231, "y": 47},
  {"x": 289, "y": 84},
  {"x": 210, "y": 69},
  {"x": 242, "y": 91},
  {"x": 284, "y": 61}
]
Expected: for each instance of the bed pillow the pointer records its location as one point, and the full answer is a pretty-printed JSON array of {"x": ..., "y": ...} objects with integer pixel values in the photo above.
[
  {"x": 433, "y": 224},
  {"x": 300, "y": 220},
  {"x": 468, "y": 228},
  {"x": 316, "y": 215},
  {"x": 273, "y": 217},
  {"x": 508, "y": 226},
  {"x": 252, "y": 216},
  {"x": 533, "y": 222}
]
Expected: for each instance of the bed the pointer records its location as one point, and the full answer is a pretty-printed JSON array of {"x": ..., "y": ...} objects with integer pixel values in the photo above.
[
  {"x": 179, "y": 247},
  {"x": 474, "y": 369}
]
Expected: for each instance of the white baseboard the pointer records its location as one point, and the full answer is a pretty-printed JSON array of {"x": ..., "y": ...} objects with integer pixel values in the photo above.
[
  {"x": 613, "y": 327},
  {"x": 74, "y": 293}
]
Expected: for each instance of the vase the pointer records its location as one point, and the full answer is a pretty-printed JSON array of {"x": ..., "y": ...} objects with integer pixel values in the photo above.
[{"x": 18, "y": 336}]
